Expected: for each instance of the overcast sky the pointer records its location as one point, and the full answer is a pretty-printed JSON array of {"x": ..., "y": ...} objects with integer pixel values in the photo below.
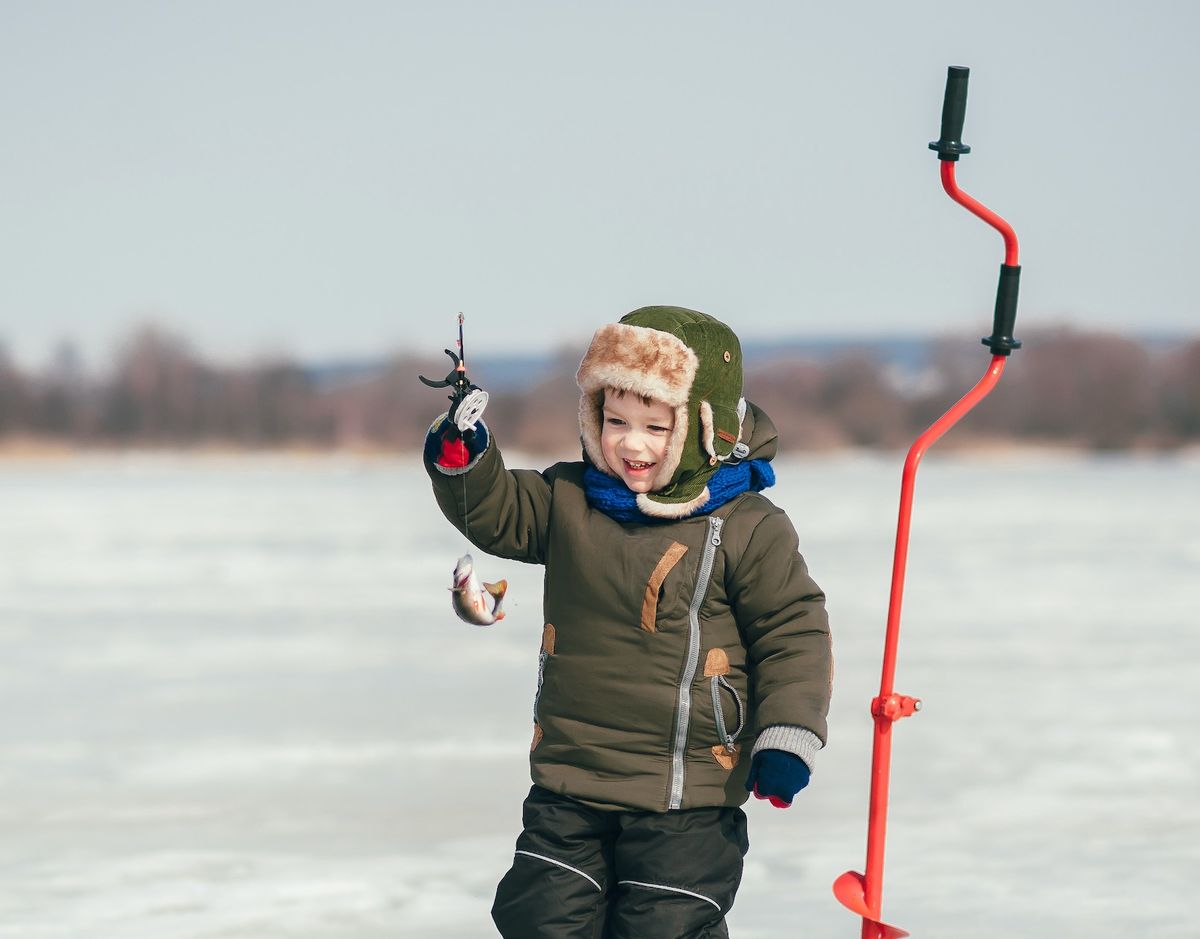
[{"x": 340, "y": 179}]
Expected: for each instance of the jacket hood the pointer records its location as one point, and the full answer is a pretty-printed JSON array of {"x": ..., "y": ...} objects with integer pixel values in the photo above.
[{"x": 760, "y": 434}]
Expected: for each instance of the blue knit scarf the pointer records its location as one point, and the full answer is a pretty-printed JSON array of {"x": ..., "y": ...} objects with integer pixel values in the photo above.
[{"x": 619, "y": 502}]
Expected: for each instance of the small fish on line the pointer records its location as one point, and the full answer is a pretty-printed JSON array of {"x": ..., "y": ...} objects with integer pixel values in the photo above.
[{"x": 470, "y": 596}]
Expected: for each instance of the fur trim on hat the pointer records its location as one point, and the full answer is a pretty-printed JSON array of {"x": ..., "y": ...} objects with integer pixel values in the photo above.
[
  {"x": 706, "y": 429},
  {"x": 672, "y": 510},
  {"x": 641, "y": 361},
  {"x": 645, "y": 361}
]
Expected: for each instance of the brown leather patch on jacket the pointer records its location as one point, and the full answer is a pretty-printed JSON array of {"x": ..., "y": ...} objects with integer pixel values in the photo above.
[
  {"x": 724, "y": 757},
  {"x": 716, "y": 663},
  {"x": 664, "y": 566},
  {"x": 548, "y": 639},
  {"x": 537, "y": 738}
]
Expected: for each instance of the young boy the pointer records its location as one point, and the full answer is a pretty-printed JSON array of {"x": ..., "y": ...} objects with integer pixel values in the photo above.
[{"x": 685, "y": 659}]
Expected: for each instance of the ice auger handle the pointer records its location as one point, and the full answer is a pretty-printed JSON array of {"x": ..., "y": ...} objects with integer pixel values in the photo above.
[
  {"x": 954, "y": 112},
  {"x": 949, "y": 148},
  {"x": 1001, "y": 341}
]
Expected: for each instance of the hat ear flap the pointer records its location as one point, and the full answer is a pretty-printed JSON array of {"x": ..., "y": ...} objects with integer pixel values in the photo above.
[
  {"x": 721, "y": 429},
  {"x": 708, "y": 431},
  {"x": 591, "y": 418}
]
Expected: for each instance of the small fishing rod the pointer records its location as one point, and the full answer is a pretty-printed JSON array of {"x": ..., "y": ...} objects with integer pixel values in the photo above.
[
  {"x": 460, "y": 385},
  {"x": 863, "y": 893}
]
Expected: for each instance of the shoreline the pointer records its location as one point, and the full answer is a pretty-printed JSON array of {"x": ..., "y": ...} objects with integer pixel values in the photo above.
[{"x": 20, "y": 450}]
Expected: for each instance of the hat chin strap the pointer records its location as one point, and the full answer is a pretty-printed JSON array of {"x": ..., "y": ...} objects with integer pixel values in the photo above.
[{"x": 648, "y": 506}]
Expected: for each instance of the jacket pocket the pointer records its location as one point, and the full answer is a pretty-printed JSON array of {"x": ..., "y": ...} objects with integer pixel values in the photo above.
[
  {"x": 716, "y": 667},
  {"x": 665, "y": 565}
]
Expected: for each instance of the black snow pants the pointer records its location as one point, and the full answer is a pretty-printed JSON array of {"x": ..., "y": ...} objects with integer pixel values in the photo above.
[{"x": 581, "y": 873}]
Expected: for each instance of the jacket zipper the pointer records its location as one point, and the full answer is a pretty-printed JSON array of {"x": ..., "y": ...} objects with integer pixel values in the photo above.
[
  {"x": 541, "y": 677},
  {"x": 684, "y": 701},
  {"x": 727, "y": 738}
]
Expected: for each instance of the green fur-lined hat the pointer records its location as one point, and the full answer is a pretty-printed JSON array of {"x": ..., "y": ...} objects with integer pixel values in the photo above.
[{"x": 687, "y": 360}]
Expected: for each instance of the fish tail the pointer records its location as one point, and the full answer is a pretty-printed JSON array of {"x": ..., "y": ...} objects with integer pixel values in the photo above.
[{"x": 497, "y": 590}]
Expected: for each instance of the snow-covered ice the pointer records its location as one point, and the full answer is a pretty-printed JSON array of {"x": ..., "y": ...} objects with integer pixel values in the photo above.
[{"x": 235, "y": 702}]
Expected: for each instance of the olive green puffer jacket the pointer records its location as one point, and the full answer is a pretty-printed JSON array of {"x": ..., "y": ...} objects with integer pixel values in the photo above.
[{"x": 667, "y": 648}]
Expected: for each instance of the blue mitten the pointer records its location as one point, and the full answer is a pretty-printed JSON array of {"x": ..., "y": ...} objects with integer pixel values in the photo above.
[{"x": 777, "y": 775}]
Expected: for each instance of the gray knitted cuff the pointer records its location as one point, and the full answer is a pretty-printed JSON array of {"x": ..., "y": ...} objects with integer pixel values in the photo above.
[{"x": 796, "y": 740}]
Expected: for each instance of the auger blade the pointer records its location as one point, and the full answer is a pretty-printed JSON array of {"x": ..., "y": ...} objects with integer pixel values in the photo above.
[
  {"x": 883, "y": 930},
  {"x": 851, "y": 893},
  {"x": 850, "y": 890}
]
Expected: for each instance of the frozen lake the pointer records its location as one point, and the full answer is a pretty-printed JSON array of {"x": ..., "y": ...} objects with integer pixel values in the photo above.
[{"x": 234, "y": 702}]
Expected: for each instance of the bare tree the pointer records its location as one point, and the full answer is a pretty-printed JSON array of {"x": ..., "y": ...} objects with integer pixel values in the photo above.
[
  {"x": 155, "y": 390},
  {"x": 1083, "y": 388},
  {"x": 14, "y": 396},
  {"x": 1178, "y": 392}
]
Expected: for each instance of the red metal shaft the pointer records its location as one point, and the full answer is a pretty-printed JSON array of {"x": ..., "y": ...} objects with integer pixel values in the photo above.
[{"x": 882, "y": 750}]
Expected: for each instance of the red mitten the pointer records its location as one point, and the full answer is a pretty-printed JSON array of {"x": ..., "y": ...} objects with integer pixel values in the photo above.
[{"x": 454, "y": 453}]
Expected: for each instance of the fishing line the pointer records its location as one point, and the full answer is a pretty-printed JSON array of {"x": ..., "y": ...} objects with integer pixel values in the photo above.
[
  {"x": 462, "y": 374},
  {"x": 466, "y": 511},
  {"x": 474, "y": 410}
]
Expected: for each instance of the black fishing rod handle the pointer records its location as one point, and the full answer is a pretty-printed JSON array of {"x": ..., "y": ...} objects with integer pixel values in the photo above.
[{"x": 954, "y": 111}]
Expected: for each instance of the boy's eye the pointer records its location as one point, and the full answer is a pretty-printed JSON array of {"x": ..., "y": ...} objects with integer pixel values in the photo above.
[
  {"x": 659, "y": 429},
  {"x": 614, "y": 421}
]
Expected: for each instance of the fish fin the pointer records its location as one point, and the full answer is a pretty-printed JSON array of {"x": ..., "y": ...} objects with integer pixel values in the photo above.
[{"x": 497, "y": 589}]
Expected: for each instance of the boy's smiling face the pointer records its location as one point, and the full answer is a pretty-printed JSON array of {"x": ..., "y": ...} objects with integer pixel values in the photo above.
[{"x": 634, "y": 437}]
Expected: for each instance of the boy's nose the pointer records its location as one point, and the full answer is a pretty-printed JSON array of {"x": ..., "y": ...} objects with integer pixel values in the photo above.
[{"x": 633, "y": 442}]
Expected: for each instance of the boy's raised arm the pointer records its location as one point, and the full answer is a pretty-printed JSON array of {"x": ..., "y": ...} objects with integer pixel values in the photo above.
[{"x": 503, "y": 512}]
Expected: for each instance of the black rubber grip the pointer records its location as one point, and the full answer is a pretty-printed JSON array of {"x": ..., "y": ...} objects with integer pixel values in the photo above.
[
  {"x": 1001, "y": 340},
  {"x": 954, "y": 111}
]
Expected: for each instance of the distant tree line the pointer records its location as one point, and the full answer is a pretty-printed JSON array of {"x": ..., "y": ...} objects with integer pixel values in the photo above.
[{"x": 1085, "y": 389}]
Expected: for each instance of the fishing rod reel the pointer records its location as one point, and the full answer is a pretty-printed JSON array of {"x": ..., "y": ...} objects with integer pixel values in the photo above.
[{"x": 467, "y": 400}]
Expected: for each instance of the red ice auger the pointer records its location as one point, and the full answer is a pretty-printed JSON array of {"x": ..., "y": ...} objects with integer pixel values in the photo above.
[{"x": 862, "y": 893}]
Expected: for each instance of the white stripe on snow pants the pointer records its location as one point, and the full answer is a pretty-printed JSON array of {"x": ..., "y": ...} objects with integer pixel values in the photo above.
[{"x": 582, "y": 873}]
